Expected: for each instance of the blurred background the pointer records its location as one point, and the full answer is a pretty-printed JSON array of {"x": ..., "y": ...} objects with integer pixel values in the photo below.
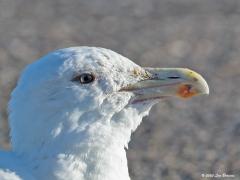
[{"x": 180, "y": 140}]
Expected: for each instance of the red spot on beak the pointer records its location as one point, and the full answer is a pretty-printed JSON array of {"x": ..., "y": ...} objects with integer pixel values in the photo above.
[{"x": 186, "y": 91}]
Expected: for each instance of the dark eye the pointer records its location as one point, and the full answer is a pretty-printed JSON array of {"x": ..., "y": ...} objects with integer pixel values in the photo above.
[{"x": 84, "y": 78}]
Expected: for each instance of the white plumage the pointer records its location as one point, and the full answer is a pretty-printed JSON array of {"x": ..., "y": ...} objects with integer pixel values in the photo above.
[{"x": 65, "y": 128}]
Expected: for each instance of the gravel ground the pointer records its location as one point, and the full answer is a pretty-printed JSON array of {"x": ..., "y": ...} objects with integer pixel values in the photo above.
[{"x": 180, "y": 140}]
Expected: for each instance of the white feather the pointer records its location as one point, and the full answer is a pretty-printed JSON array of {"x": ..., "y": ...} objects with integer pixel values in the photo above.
[{"x": 64, "y": 130}]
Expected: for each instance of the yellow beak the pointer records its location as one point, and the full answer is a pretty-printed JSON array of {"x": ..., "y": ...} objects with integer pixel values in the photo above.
[{"x": 168, "y": 82}]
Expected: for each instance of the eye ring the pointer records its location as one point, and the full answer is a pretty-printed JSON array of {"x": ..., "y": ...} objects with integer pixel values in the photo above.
[{"x": 84, "y": 78}]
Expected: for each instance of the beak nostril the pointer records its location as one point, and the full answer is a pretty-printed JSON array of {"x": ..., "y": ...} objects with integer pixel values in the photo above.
[{"x": 173, "y": 77}]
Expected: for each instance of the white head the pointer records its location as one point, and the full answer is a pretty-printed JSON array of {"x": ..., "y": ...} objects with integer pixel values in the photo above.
[
  {"x": 88, "y": 91},
  {"x": 74, "y": 110}
]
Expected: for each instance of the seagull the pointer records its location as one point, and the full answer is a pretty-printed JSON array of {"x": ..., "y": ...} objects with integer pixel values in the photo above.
[{"x": 72, "y": 113}]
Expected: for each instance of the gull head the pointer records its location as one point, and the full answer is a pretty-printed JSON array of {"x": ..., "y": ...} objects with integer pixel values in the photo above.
[{"x": 89, "y": 91}]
